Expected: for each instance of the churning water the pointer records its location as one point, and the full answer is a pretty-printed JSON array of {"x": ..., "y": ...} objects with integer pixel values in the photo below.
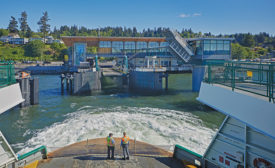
[{"x": 173, "y": 117}]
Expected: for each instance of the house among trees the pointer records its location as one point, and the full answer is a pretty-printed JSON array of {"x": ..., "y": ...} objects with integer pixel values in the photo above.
[{"x": 13, "y": 38}]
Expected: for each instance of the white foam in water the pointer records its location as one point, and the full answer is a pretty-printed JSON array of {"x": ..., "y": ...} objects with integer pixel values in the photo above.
[{"x": 152, "y": 125}]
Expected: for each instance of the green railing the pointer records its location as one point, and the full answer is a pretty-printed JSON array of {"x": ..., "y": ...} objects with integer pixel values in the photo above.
[
  {"x": 188, "y": 157},
  {"x": 7, "y": 75},
  {"x": 188, "y": 151},
  {"x": 41, "y": 149},
  {"x": 257, "y": 78}
]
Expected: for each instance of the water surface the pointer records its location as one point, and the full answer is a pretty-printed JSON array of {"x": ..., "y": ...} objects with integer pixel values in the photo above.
[{"x": 172, "y": 117}]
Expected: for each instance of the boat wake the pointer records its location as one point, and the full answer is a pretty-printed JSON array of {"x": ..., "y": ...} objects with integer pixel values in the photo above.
[{"x": 151, "y": 125}]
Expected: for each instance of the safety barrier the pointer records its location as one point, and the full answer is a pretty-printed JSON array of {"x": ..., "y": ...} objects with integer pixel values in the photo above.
[
  {"x": 7, "y": 75},
  {"x": 36, "y": 154},
  {"x": 257, "y": 78}
]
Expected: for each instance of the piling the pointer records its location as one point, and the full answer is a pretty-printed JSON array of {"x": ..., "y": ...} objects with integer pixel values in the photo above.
[
  {"x": 30, "y": 91},
  {"x": 62, "y": 82},
  {"x": 25, "y": 90},
  {"x": 34, "y": 91},
  {"x": 166, "y": 81},
  {"x": 197, "y": 77}
]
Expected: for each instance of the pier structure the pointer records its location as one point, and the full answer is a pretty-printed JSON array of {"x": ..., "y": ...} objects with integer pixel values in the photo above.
[
  {"x": 150, "y": 57},
  {"x": 84, "y": 80}
]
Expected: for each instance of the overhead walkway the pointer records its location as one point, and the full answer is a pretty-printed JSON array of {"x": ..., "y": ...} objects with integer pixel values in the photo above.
[{"x": 179, "y": 46}]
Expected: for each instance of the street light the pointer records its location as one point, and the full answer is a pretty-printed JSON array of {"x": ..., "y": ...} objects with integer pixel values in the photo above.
[{"x": 99, "y": 31}]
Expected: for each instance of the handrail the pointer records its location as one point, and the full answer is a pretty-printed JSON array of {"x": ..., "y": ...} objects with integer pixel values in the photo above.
[
  {"x": 257, "y": 78},
  {"x": 6, "y": 62},
  {"x": 41, "y": 148}
]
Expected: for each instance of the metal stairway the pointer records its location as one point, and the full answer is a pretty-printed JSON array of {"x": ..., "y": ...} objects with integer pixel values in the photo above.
[{"x": 179, "y": 46}]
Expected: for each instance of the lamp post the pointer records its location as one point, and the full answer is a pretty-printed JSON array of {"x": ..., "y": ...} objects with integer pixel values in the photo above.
[{"x": 99, "y": 31}]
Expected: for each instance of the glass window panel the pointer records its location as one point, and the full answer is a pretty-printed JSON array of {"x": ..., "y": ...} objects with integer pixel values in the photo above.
[
  {"x": 141, "y": 45},
  {"x": 206, "y": 49},
  {"x": 164, "y": 44},
  {"x": 198, "y": 48},
  {"x": 105, "y": 44},
  {"x": 117, "y": 46},
  {"x": 226, "y": 46},
  {"x": 226, "y": 42},
  {"x": 220, "y": 45},
  {"x": 206, "y": 41},
  {"x": 213, "y": 47},
  {"x": 153, "y": 44},
  {"x": 129, "y": 46}
]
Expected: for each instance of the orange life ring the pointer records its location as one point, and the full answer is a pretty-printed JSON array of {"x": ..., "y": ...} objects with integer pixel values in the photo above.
[{"x": 258, "y": 160}]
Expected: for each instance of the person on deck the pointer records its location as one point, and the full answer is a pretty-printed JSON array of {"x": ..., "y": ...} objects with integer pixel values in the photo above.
[
  {"x": 125, "y": 144},
  {"x": 111, "y": 146}
]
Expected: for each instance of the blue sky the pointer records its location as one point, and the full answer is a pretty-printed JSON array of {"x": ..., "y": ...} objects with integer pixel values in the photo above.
[{"x": 215, "y": 16}]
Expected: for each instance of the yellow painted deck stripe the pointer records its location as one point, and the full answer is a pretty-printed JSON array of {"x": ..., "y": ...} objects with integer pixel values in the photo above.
[
  {"x": 32, "y": 165},
  {"x": 191, "y": 166}
]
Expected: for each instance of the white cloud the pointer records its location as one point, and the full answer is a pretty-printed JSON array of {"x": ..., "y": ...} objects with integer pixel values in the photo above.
[
  {"x": 183, "y": 15},
  {"x": 196, "y": 14}
]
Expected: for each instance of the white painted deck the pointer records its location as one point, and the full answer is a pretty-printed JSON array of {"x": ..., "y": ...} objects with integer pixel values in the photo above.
[
  {"x": 251, "y": 110},
  {"x": 10, "y": 96}
]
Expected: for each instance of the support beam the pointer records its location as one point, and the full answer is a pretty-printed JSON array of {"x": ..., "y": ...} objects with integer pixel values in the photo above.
[{"x": 197, "y": 77}]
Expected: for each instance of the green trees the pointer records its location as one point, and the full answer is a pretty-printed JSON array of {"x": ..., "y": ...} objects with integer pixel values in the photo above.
[
  {"x": 240, "y": 52},
  {"x": 248, "y": 40},
  {"x": 259, "y": 51},
  {"x": 13, "y": 25},
  {"x": 10, "y": 52},
  {"x": 4, "y": 32},
  {"x": 29, "y": 33},
  {"x": 34, "y": 48},
  {"x": 44, "y": 27},
  {"x": 24, "y": 27},
  {"x": 59, "y": 50}
]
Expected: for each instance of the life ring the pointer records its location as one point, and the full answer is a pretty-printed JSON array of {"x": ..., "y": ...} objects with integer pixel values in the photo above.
[{"x": 258, "y": 160}]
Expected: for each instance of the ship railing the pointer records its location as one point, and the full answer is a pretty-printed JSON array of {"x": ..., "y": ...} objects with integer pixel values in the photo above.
[
  {"x": 32, "y": 156},
  {"x": 256, "y": 78},
  {"x": 7, "y": 74},
  {"x": 100, "y": 150},
  {"x": 187, "y": 156}
]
